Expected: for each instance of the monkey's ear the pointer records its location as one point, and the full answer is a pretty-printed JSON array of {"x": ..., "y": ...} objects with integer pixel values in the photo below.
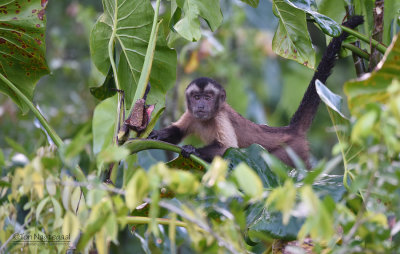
[{"x": 222, "y": 96}]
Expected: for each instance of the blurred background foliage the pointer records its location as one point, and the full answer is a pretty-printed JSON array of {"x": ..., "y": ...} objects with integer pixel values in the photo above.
[
  {"x": 63, "y": 96},
  {"x": 260, "y": 85}
]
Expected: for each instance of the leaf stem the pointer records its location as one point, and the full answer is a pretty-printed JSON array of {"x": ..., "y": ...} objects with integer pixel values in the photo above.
[
  {"x": 137, "y": 145},
  {"x": 356, "y": 50},
  {"x": 114, "y": 68},
  {"x": 148, "y": 60},
  {"x": 162, "y": 221},
  {"x": 364, "y": 38},
  {"x": 56, "y": 139}
]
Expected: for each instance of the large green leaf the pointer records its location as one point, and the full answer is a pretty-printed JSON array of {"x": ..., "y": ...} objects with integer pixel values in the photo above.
[
  {"x": 263, "y": 222},
  {"x": 107, "y": 89},
  {"x": 185, "y": 163},
  {"x": 330, "y": 185},
  {"x": 248, "y": 181},
  {"x": 333, "y": 9},
  {"x": 189, "y": 25},
  {"x": 129, "y": 23},
  {"x": 97, "y": 219},
  {"x": 260, "y": 220},
  {"x": 103, "y": 124},
  {"x": 391, "y": 13},
  {"x": 332, "y": 100},
  {"x": 328, "y": 25},
  {"x": 291, "y": 39},
  {"x": 22, "y": 46},
  {"x": 252, "y": 156},
  {"x": 373, "y": 87}
]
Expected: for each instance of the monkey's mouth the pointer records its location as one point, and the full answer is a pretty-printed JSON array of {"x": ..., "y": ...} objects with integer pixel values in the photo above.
[{"x": 201, "y": 114}]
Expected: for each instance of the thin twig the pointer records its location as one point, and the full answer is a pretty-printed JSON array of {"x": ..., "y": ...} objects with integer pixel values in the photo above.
[
  {"x": 360, "y": 214},
  {"x": 377, "y": 33}
]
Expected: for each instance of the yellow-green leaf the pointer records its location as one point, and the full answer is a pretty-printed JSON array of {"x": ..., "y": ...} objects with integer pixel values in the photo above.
[
  {"x": 373, "y": 87},
  {"x": 71, "y": 225},
  {"x": 248, "y": 180},
  {"x": 283, "y": 199},
  {"x": 136, "y": 189}
]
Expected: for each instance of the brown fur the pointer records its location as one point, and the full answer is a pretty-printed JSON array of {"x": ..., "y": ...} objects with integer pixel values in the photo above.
[
  {"x": 218, "y": 128},
  {"x": 221, "y": 127},
  {"x": 233, "y": 130},
  {"x": 226, "y": 128}
]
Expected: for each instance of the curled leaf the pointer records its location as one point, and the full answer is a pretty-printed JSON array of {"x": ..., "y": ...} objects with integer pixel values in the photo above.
[{"x": 140, "y": 116}]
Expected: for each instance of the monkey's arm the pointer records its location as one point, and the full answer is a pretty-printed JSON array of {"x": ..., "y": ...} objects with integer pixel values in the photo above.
[
  {"x": 175, "y": 132},
  {"x": 207, "y": 153},
  {"x": 171, "y": 134}
]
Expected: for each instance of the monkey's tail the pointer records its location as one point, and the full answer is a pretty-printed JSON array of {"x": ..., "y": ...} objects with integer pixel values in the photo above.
[{"x": 304, "y": 115}]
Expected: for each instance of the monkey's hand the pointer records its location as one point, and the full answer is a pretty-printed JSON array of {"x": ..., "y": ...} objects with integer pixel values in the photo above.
[
  {"x": 162, "y": 135},
  {"x": 171, "y": 134},
  {"x": 154, "y": 135},
  {"x": 187, "y": 150}
]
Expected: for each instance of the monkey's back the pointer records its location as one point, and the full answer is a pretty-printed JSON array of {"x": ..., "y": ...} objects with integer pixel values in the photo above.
[{"x": 273, "y": 139}]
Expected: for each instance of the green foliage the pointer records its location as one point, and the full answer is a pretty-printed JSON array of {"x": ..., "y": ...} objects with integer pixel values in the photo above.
[
  {"x": 327, "y": 25},
  {"x": 136, "y": 189},
  {"x": 375, "y": 87},
  {"x": 107, "y": 89},
  {"x": 23, "y": 48},
  {"x": 104, "y": 124},
  {"x": 247, "y": 201},
  {"x": 129, "y": 23},
  {"x": 248, "y": 181},
  {"x": 287, "y": 41},
  {"x": 186, "y": 17},
  {"x": 391, "y": 13}
]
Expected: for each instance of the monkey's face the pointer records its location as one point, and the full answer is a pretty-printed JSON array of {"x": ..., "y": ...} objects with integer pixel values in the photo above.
[{"x": 204, "y": 102}]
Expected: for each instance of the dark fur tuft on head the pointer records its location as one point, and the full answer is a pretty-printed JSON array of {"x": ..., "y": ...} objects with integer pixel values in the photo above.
[{"x": 204, "y": 81}]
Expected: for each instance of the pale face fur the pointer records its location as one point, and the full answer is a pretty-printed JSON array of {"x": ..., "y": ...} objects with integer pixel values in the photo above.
[{"x": 204, "y": 102}]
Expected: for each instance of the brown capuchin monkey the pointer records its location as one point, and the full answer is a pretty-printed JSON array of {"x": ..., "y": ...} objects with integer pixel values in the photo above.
[{"x": 220, "y": 127}]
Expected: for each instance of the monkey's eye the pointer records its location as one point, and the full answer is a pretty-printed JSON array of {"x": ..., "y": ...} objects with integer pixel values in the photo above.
[
  {"x": 207, "y": 97},
  {"x": 197, "y": 97}
]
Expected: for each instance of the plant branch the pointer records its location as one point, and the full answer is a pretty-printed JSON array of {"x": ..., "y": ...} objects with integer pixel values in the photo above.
[
  {"x": 356, "y": 50},
  {"x": 162, "y": 221},
  {"x": 56, "y": 139},
  {"x": 359, "y": 219},
  {"x": 137, "y": 145},
  {"x": 148, "y": 60},
  {"x": 377, "y": 33},
  {"x": 114, "y": 68},
  {"x": 379, "y": 46}
]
